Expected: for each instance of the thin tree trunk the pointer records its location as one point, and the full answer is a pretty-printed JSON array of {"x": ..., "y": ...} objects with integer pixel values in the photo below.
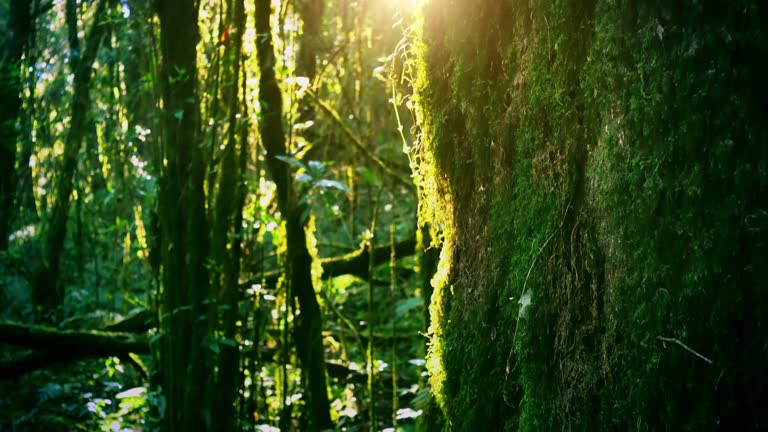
[
  {"x": 18, "y": 31},
  {"x": 311, "y": 38},
  {"x": 46, "y": 278},
  {"x": 25, "y": 189},
  {"x": 143, "y": 125},
  {"x": 227, "y": 220},
  {"x": 308, "y": 334}
]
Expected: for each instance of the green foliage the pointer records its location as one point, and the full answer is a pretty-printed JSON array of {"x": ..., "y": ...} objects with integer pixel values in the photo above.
[{"x": 157, "y": 221}]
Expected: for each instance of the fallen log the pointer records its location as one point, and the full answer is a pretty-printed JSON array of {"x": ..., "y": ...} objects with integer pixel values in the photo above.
[
  {"x": 42, "y": 337},
  {"x": 51, "y": 346}
]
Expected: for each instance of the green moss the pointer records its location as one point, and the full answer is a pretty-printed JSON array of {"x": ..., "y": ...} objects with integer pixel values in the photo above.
[{"x": 607, "y": 161}]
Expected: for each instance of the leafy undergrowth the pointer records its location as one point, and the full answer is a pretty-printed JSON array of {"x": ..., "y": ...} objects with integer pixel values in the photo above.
[{"x": 92, "y": 395}]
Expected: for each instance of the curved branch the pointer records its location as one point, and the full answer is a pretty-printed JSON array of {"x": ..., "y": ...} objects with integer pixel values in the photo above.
[
  {"x": 354, "y": 263},
  {"x": 42, "y": 337}
]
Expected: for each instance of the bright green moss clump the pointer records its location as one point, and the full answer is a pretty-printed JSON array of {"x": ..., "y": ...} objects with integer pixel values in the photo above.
[{"x": 600, "y": 173}]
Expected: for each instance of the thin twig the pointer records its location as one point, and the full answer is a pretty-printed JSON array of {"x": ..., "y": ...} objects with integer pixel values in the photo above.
[
  {"x": 525, "y": 284},
  {"x": 536, "y": 257},
  {"x": 686, "y": 347}
]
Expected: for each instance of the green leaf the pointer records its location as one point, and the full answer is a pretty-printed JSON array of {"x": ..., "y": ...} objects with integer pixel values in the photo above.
[
  {"x": 331, "y": 184},
  {"x": 134, "y": 392},
  {"x": 304, "y": 217},
  {"x": 303, "y": 178},
  {"x": 155, "y": 338},
  {"x": 370, "y": 177},
  {"x": 211, "y": 344},
  {"x": 290, "y": 161},
  {"x": 227, "y": 342},
  {"x": 405, "y": 305},
  {"x": 315, "y": 168}
]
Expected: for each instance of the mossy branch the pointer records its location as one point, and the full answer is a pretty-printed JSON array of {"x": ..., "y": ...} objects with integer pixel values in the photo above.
[
  {"x": 354, "y": 263},
  {"x": 41, "y": 337},
  {"x": 54, "y": 346}
]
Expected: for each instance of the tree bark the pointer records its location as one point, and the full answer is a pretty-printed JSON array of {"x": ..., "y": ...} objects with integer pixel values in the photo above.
[
  {"x": 183, "y": 222},
  {"x": 227, "y": 214},
  {"x": 18, "y": 26},
  {"x": 45, "y": 283},
  {"x": 600, "y": 202},
  {"x": 308, "y": 330}
]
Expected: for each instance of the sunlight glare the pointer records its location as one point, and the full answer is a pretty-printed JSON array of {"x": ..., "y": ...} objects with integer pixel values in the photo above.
[{"x": 406, "y": 5}]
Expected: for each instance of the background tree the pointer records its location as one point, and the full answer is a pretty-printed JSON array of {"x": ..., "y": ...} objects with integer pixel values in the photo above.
[
  {"x": 45, "y": 281},
  {"x": 188, "y": 284},
  {"x": 17, "y": 28}
]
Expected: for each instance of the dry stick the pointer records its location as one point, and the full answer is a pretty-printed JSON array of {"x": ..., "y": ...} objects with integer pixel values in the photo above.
[
  {"x": 344, "y": 319},
  {"x": 371, "y": 361},
  {"x": 358, "y": 142},
  {"x": 686, "y": 347},
  {"x": 393, "y": 76},
  {"x": 392, "y": 286}
]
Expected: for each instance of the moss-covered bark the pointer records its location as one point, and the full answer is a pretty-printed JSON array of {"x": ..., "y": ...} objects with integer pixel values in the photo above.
[
  {"x": 308, "y": 328},
  {"x": 47, "y": 290},
  {"x": 183, "y": 358},
  {"x": 598, "y": 171}
]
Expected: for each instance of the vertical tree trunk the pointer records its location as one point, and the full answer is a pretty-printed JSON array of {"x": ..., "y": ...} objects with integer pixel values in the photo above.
[
  {"x": 308, "y": 333},
  {"x": 229, "y": 202},
  {"x": 183, "y": 352},
  {"x": 144, "y": 131},
  {"x": 599, "y": 171},
  {"x": 311, "y": 42},
  {"x": 46, "y": 278},
  {"x": 19, "y": 24}
]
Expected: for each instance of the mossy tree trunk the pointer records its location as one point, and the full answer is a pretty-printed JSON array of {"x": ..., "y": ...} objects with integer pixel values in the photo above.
[
  {"x": 185, "y": 348},
  {"x": 308, "y": 330},
  {"x": 599, "y": 172},
  {"x": 48, "y": 290},
  {"x": 228, "y": 215}
]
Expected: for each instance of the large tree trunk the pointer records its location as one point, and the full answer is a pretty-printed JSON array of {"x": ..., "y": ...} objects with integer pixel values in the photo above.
[
  {"x": 599, "y": 171},
  {"x": 308, "y": 333},
  {"x": 183, "y": 225},
  {"x": 18, "y": 27}
]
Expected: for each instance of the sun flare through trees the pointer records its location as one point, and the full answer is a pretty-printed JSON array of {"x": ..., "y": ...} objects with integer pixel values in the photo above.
[{"x": 383, "y": 215}]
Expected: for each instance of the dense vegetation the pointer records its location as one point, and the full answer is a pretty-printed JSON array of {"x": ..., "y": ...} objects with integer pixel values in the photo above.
[{"x": 356, "y": 215}]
